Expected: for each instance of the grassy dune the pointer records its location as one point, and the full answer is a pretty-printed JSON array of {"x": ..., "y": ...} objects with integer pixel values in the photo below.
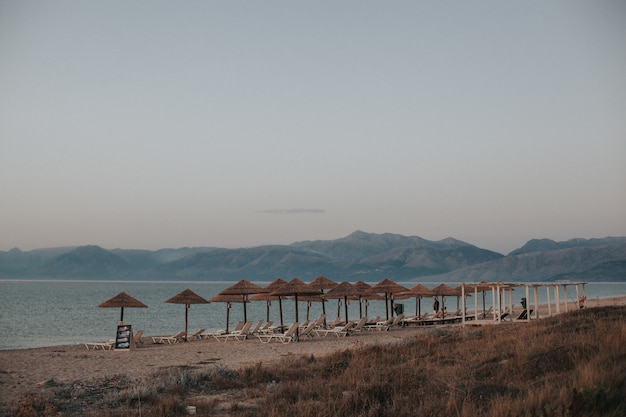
[{"x": 570, "y": 365}]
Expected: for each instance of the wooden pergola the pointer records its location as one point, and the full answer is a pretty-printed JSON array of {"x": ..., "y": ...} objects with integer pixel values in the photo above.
[{"x": 500, "y": 289}]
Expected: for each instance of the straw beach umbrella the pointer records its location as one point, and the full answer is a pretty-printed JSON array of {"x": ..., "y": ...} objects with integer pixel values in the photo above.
[
  {"x": 265, "y": 296},
  {"x": 344, "y": 290},
  {"x": 227, "y": 299},
  {"x": 322, "y": 283},
  {"x": 243, "y": 288},
  {"x": 389, "y": 288},
  {"x": 418, "y": 291},
  {"x": 295, "y": 287},
  {"x": 122, "y": 300},
  {"x": 312, "y": 298},
  {"x": 186, "y": 297},
  {"x": 365, "y": 293},
  {"x": 444, "y": 291}
]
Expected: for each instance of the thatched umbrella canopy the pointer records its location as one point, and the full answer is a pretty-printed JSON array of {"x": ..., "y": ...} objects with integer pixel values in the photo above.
[
  {"x": 243, "y": 288},
  {"x": 444, "y": 291},
  {"x": 296, "y": 288},
  {"x": 344, "y": 290},
  {"x": 122, "y": 300},
  {"x": 186, "y": 297},
  {"x": 267, "y": 297},
  {"x": 322, "y": 283},
  {"x": 419, "y": 291},
  {"x": 388, "y": 287},
  {"x": 227, "y": 299}
]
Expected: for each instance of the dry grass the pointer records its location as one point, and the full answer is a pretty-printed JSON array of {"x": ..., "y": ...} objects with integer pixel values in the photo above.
[{"x": 571, "y": 365}]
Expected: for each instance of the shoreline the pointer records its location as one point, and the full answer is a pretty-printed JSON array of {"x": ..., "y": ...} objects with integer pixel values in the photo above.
[{"x": 38, "y": 370}]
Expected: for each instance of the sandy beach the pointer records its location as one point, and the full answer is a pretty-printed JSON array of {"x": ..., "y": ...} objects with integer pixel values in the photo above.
[{"x": 37, "y": 370}]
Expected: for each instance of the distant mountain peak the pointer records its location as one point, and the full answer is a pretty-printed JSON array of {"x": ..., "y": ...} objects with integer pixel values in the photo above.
[{"x": 545, "y": 245}]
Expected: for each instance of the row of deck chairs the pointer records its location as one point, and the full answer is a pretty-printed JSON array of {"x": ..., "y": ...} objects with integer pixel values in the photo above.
[
  {"x": 429, "y": 319},
  {"x": 110, "y": 344},
  {"x": 267, "y": 333},
  {"x": 337, "y": 329}
]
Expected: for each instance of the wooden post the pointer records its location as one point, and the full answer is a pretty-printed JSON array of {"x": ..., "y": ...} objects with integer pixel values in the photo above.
[
  {"x": 557, "y": 301},
  {"x": 463, "y": 304},
  {"x": 527, "y": 304},
  {"x": 476, "y": 302},
  {"x": 499, "y": 309},
  {"x": 549, "y": 302}
]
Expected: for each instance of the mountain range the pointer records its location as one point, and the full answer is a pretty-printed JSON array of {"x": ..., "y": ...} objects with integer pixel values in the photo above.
[{"x": 360, "y": 255}]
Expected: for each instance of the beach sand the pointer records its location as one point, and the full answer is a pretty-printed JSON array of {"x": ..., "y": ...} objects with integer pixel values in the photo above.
[{"x": 38, "y": 370}]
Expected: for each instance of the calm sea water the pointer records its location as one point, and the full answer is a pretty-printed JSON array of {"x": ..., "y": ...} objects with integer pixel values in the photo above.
[{"x": 51, "y": 313}]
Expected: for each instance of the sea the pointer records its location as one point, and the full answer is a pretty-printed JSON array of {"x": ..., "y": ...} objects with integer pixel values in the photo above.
[{"x": 40, "y": 313}]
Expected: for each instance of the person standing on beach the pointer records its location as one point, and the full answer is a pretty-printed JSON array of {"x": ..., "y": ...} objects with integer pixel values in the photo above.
[{"x": 436, "y": 305}]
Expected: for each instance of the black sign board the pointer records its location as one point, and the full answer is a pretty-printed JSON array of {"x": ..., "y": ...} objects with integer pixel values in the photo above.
[{"x": 124, "y": 337}]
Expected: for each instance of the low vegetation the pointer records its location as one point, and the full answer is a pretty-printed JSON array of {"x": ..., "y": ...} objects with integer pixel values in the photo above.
[{"x": 571, "y": 365}]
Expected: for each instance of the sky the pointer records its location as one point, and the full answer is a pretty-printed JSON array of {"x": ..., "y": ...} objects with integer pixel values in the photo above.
[{"x": 154, "y": 124}]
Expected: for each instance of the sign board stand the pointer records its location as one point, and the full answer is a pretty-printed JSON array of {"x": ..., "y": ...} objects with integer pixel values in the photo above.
[{"x": 124, "y": 339}]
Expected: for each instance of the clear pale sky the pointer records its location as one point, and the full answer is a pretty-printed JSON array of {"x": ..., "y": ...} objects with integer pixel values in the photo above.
[{"x": 151, "y": 124}]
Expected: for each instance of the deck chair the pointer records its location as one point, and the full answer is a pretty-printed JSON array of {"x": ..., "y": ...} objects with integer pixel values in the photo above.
[
  {"x": 360, "y": 325},
  {"x": 308, "y": 331},
  {"x": 100, "y": 345},
  {"x": 334, "y": 323},
  {"x": 257, "y": 327},
  {"x": 168, "y": 339},
  {"x": 485, "y": 314},
  {"x": 524, "y": 315},
  {"x": 286, "y": 337},
  {"x": 380, "y": 325},
  {"x": 336, "y": 331},
  {"x": 320, "y": 321},
  {"x": 137, "y": 337},
  {"x": 237, "y": 328},
  {"x": 267, "y": 328},
  {"x": 196, "y": 335},
  {"x": 235, "y": 334},
  {"x": 397, "y": 321}
]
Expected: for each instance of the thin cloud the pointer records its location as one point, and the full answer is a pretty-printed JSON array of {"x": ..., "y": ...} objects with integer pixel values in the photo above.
[{"x": 294, "y": 211}]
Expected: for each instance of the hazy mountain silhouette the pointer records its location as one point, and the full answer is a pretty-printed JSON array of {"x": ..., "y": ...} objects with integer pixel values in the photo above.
[{"x": 360, "y": 255}]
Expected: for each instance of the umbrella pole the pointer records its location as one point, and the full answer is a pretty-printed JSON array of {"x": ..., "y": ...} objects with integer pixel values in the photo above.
[
  {"x": 280, "y": 307},
  {"x": 386, "y": 307},
  {"x": 186, "y": 317},
  {"x": 245, "y": 314},
  {"x": 227, "y": 315},
  {"x": 360, "y": 308},
  {"x": 345, "y": 307},
  {"x": 122, "y": 316},
  {"x": 324, "y": 308},
  {"x": 268, "y": 310},
  {"x": 297, "y": 336}
]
